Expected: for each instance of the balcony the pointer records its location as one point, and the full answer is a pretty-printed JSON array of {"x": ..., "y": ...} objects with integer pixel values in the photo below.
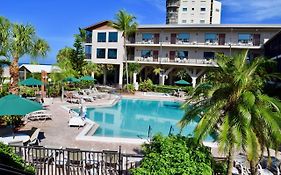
[{"x": 173, "y": 4}]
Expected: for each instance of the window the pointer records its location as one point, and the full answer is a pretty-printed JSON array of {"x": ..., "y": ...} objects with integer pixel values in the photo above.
[
  {"x": 146, "y": 53},
  {"x": 88, "y": 52},
  {"x": 184, "y": 21},
  {"x": 202, "y": 21},
  {"x": 203, "y": 9},
  {"x": 183, "y": 37},
  {"x": 101, "y": 37},
  {"x": 184, "y": 9},
  {"x": 88, "y": 36},
  {"x": 147, "y": 37},
  {"x": 192, "y": 9},
  {"x": 112, "y": 53},
  {"x": 209, "y": 55},
  {"x": 210, "y": 37},
  {"x": 100, "y": 53},
  {"x": 113, "y": 37},
  {"x": 244, "y": 38},
  {"x": 217, "y": 10},
  {"x": 192, "y": 21},
  {"x": 182, "y": 54}
]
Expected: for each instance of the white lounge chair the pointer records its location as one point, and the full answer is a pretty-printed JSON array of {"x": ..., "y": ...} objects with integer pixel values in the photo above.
[
  {"x": 34, "y": 138},
  {"x": 76, "y": 120},
  {"x": 39, "y": 115}
]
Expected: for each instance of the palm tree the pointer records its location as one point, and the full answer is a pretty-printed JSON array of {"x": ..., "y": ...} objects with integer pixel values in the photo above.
[
  {"x": 2, "y": 64},
  {"x": 233, "y": 105},
  {"x": 19, "y": 40},
  {"x": 158, "y": 71},
  {"x": 133, "y": 68},
  {"x": 90, "y": 68},
  {"x": 126, "y": 23}
]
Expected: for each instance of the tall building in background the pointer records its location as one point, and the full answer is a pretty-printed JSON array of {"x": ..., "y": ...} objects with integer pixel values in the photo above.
[{"x": 193, "y": 12}]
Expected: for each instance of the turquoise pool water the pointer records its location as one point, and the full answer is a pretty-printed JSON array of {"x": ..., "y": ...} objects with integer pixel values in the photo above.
[{"x": 131, "y": 118}]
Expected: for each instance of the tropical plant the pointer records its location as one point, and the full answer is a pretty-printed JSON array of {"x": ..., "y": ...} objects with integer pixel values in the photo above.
[
  {"x": 146, "y": 85},
  {"x": 2, "y": 64},
  {"x": 174, "y": 155},
  {"x": 19, "y": 40},
  {"x": 78, "y": 57},
  {"x": 133, "y": 68},
  {"x": 182, "y": 74},
  {"x": 125, "y": 23},
  {"x": 9, "y": 158},
  {"x": 158, "y": 71},
  {"x": 90, "y": 68},
  {"x": 233, "y": 105}
]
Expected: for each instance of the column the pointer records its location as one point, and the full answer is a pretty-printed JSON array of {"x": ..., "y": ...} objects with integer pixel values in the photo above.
[
  {"x": 194, "y": 81},
  {"x": 162, "y": 78},
  {"x": 120, "y": 75},
  {"x": 134, "y": 78}
]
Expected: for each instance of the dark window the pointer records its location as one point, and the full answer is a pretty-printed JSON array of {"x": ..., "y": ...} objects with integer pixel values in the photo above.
[
  {"x": 112, "y": 53},
  {"x": 182, "y": 54},
  {"x": 211, "y": 37},
  {"x": 100, "y": 53},
  {"x": 145, "y": 53},
  {"x": 203, "y": 9},
  {"x": 192, "y": 9},
  {"x": 88, "y": 51},
  {"x": 209, "y": 55},
  {"x": 244, "y": 38},
  {"x": 101, "y": 37},
  {"x": 113, "y": 37},
  {"x": 184, "y": 9},
  {"x": 88, "y": 36},
  {"x": 147, "y": 37},
  {"x": 184, "y": 37}
]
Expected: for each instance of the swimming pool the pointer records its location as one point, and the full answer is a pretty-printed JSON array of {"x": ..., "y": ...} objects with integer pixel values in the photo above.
[{"x": 134, "y": 118}]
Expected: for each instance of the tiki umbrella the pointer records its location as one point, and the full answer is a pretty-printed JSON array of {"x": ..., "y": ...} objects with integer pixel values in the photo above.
[
  {"x": 71, "y": 80},
  {"x": 182, "y": 82},
  {"x": 31, "y": 82},
  {"x": 87, "y": 78},
  {"x": 15, "y": 105}
]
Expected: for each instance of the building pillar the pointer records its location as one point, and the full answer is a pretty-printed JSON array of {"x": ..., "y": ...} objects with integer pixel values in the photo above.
[
  {"x": 194, "y": 81},
  {"x": 24, "y": 74},
  {"x": 134, "y": 78},
  {"x": 121, "y": 75},
  {"x": 162, "y": 78}
]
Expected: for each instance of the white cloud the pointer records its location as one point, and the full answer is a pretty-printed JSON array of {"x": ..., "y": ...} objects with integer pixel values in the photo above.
[{"x": 252, "y": 10}]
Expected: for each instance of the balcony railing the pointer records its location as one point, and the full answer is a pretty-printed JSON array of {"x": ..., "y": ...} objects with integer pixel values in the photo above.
[{"x": 49, "y": 161}]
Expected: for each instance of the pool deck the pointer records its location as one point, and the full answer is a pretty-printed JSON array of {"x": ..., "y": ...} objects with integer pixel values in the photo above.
[{"x": 56, "y": 133}]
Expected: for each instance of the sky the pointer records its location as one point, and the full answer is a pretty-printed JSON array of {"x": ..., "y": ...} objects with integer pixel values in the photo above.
[{"x": 58, "y": 20}]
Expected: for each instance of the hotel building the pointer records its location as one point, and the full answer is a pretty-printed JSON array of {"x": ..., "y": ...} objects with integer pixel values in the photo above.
[
  {"x": 189, "y": 47},
  {"x": 193, "y": 12}
]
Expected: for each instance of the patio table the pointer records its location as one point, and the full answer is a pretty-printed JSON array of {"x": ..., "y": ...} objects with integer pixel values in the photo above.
[{"x": 17, "y": 138}]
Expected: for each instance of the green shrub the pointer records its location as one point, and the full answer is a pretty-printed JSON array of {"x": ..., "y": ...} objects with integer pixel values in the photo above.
[
  {"x": 54, "y": 90},
  {"x": 129, "y": 88},
  {"x": 146, "y": 85},
  {"x": 28, "y": 91},
  {"x": 175, "y": 155},
  {"x": 9, "y": 158}
]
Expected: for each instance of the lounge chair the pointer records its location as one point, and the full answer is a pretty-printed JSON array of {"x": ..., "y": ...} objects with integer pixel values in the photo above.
[
  {"x": 34, "y": 138},
  {"x": 39, "y": 115},
  {"x": 76, "y": 121}
]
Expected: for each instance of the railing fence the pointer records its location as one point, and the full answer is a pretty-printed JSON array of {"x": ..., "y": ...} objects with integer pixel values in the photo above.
[{"x": 49, "y": 161}]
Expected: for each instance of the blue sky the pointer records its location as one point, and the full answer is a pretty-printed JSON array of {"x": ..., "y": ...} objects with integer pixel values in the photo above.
[{"x": 58, "y": 20}]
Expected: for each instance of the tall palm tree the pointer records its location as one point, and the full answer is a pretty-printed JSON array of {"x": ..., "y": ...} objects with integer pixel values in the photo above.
[
  {"x": 233, "y": 105},
  {"x": 133, "y": 68},
  {"x": 126, "y": 23},
  {"x": 20, "y": 40}
]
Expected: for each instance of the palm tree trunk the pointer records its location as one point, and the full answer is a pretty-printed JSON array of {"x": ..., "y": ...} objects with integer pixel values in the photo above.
[
  {"x": 269, "y": 161},
  {"x": 230, "y": 160},
  {"x": 14, "y": 72},
  {"x": 126, "y": 62},
  {"x": 253, "y": 168}
]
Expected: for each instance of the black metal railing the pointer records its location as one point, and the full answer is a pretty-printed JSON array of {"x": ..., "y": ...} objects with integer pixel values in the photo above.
[{"x": 49, "y": 161}]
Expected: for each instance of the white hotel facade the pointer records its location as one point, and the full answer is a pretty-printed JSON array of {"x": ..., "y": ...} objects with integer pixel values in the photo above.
[{"x": 190, "y": 47}]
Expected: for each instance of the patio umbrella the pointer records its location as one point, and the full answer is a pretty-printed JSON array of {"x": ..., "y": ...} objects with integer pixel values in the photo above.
[
  {"x": 87, "y": 78},
  {"x": 71, "y": 80},
  {"x": 31, "y": 82},
  {"x": 15, "y": 105},
  {"x": 182, "y": 82}
]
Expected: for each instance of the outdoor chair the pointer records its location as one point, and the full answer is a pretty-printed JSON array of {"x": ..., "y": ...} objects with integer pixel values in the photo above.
[
  {"x": 39, "y": 115},
  {"x": 34, "y": 138}
]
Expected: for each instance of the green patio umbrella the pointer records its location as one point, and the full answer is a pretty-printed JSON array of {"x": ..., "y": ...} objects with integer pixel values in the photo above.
[
  {"x": 71, "y": 80},
  {"x": 31, "y": 82},
  {"x": 182, "y": 82},
  {"x": 15, "y": 105},
  {"x": 87, "y": 78}
]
